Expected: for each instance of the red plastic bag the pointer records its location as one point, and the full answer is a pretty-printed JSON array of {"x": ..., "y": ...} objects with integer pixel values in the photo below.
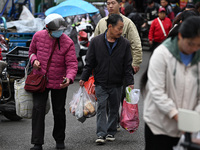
[
  {"x": 89, "y": 86},
  {"x": 129, "y": 119},
  {"x": 0, "y": 54}
]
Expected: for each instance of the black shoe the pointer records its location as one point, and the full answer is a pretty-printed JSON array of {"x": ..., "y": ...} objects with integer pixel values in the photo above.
[
  {"x": 110, "y": 137},
  {"x": 100, "y": 140},
  {"x": 37, "y": 147},
  {"x": 60, "y": 145}
]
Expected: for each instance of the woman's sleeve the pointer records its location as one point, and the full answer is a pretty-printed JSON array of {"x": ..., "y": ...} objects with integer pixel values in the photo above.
[
  {"x": 197, "y": 108},
  {"x": 157, "y": 83},
  {"x": 151, "y": 31},
  {"x": 33, "y": 49},
  {"x": 71, "y": 63}
]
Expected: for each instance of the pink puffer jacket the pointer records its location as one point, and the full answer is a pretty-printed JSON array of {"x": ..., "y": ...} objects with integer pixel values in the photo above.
[{"x": 63, "y": 62}]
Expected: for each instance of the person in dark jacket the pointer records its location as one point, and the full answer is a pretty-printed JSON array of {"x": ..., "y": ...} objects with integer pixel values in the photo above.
[
  {"x": 176, "y": 9},
  {"x": 197, "y": 7},
  {"x": 190, "y": 6},
  {"x": 135, "y": 17},
  {"x": 179, "y": 19},
  {"x": 109, "y": 55},
  {"x": 151, "y": 11},
  {"x": 169, "y": 11}
]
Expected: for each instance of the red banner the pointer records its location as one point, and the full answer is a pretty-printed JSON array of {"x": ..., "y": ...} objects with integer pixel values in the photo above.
[{"x": 183, "y": 3}]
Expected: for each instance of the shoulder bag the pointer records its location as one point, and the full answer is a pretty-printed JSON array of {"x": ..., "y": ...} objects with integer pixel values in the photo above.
[{"x": 37, "y": 82}]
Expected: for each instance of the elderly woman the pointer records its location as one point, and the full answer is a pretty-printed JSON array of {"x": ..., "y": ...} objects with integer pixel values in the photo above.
[{"x": 52, "y": 45}]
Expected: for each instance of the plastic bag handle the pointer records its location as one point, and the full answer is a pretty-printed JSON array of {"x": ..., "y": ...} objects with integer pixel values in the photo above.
[{"x": 27, "y": 66}]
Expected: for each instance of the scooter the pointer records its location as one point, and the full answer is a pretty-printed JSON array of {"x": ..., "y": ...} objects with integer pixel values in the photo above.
[
  {"x": 7, "y": 103},
  {"x": 81, "y": 35},
  {"x": 84, "y": 37}
]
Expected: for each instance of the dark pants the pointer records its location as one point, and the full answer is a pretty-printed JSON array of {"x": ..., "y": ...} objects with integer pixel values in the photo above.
[
  {"x": 158, "y": 142},
  {"x": 111, "y": 96},
  {"x": 154, "y": 46},
  {"x": 58, "y": 98}
]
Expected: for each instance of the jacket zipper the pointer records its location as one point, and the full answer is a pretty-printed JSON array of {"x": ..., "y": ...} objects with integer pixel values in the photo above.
[
  {"x": 185, "y": 71},
  {"x": 108, "y": 70}
]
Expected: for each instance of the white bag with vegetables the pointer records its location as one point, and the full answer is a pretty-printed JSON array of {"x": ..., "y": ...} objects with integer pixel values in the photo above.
[{"x": 83, "y": 105}]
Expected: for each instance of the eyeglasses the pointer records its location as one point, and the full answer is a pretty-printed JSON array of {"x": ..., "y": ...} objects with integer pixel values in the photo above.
[{"x": 113, "y": 3}]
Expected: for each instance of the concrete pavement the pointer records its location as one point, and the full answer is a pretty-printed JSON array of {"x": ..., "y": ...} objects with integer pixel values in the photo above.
[{"x": 17, "y": 135}]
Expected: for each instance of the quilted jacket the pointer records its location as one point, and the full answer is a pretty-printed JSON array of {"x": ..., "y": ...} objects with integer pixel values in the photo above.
[{"x": 63, "y": 62}]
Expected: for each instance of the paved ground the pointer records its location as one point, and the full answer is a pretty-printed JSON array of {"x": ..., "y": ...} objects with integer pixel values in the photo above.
[{"x": 16, "y": 135}]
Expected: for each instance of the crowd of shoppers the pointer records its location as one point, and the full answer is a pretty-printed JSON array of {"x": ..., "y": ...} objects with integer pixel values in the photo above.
[{"x": 114, "y": 56}]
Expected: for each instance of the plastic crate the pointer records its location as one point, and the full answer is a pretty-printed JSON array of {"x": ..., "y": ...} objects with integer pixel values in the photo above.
[{"x": 17, "y": 60}]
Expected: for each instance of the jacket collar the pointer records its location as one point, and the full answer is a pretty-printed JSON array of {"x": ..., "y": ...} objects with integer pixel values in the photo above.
[{"x": 172, "y": 46}]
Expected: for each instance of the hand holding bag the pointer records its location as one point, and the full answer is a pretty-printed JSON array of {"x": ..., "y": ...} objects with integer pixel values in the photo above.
[
  {"x": 37, "y": 82},
  {"x": 90, "y": 86}
]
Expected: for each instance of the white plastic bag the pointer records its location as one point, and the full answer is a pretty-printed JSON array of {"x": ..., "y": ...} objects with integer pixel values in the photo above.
[
  {"x": 83, "y": 105},
  {"x": 178, "y": 146},
  {"x": 26, "y": 14},
  {"x": 132, "y": 95},
  {"x": 24, "y": 100},
  {"x": 74, "y": 102},
  {"x": 79, "y": 108}
]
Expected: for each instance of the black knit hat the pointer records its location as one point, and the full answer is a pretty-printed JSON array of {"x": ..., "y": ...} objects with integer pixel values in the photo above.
[
  {"x": 173, "y": 1},
  {"x": 190, "y": 5},
  {"x": 150, "y": 1}
]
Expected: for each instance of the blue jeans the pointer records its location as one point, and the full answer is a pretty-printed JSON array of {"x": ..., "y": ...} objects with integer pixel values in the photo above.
[{"x": 111, "y": 96}]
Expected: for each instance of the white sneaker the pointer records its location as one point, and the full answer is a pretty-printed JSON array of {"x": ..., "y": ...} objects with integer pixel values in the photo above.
[
  {"x": 100, "y": 140},
  {"x": 110, "y": 137}
]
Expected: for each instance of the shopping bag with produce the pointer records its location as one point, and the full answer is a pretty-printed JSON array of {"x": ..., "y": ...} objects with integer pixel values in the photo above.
[
  {"x": 83, "y": 105},
  {"x": 74, "y": 101},
  {"x": 129, "y": 118}
]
